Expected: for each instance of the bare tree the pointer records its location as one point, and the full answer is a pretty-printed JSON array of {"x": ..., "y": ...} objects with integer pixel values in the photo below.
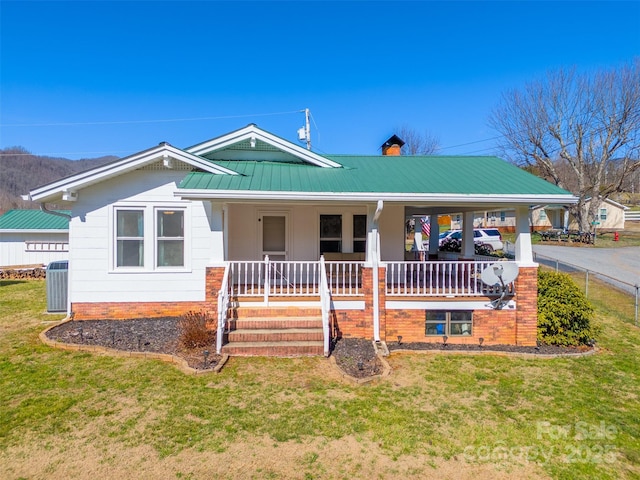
[
  {"x": 580, "y": 131},
  {"x": 416, "y": 143}
]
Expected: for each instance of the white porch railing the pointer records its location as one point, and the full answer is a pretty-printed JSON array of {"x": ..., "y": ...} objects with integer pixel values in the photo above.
[
  {"x": 438, "y": 279},
  {"x": 270, "y": 278},
  {"x": 325, "y": 301},
  {"x": 223, "y": 308},
  {"x": 303, "y": 279},
  {"x": 344, "y": 278}
]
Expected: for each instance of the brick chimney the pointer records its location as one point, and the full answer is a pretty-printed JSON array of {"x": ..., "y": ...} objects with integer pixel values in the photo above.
[{"x": 392, "y": 146}]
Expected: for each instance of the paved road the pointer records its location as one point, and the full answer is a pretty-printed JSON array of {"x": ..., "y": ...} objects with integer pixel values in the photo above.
[{"x": 620, "y": 263}]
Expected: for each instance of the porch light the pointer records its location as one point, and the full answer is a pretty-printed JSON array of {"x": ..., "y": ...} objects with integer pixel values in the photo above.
[{"x": 399, "y": 339}]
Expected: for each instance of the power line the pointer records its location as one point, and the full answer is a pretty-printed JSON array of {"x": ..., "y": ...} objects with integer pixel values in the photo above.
[{"x": 125, "y": 122}]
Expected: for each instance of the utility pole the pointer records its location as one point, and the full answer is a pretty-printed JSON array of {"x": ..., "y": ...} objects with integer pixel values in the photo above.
[{"x": 304, "y": 133}]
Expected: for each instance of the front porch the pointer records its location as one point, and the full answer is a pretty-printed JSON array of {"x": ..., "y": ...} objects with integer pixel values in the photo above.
[{"x": 354, "y": 299}]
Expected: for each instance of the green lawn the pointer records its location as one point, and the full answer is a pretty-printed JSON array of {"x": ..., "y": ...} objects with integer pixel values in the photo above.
[{"x": 435, "y": 416}]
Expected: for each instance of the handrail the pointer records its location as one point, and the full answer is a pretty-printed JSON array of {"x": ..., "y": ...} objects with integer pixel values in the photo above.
[
  {"x": 223, "y": 307},
  {"x": 325, "y": 301}
]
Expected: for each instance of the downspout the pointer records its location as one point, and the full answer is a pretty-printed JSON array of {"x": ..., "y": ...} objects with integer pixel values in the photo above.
[
  {"x": 375, "y": 263},
  {"x": 44, "y": 208}
]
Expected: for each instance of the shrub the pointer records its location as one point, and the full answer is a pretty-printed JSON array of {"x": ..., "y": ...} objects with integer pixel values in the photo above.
[
  {"x": 195, "y": 330},
  {"x": 564, "y": 313}
]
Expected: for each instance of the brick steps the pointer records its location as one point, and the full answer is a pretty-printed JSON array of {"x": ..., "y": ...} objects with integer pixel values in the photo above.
[
  {"x": 275, "y": 332},
  {"x": 274, "y": 323},
  {"x": 274, "y": 349},
  {"x": 276, "y": 335}
]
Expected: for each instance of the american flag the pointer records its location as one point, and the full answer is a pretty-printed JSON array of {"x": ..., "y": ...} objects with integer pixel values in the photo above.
[{"x": 426, "y": 225}]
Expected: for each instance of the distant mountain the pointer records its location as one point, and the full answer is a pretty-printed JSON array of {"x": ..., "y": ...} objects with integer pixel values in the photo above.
[{"x": 20, "y": 172}]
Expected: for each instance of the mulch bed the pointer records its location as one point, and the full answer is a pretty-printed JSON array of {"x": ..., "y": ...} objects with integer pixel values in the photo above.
[
  {"x": 157, "y": 335},
  {"x": 539, "y": 350},
  {"x": 357, "y": 357}
]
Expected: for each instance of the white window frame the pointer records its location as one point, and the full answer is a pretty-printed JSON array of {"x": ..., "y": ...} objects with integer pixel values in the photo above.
[
  {"x": 603, "y": 214},
  {"x": 150, "y": 237}
]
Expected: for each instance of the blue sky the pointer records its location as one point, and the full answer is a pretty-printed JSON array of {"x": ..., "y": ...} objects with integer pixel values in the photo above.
[{"x": 84, "y": 79}]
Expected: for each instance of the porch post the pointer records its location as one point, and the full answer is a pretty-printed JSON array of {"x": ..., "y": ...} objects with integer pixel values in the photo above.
[
  {"x": 468, "y": 248},
  {"x": 433, "y": 235},
  {"x": 373, "y": 259},
  {"x": 216, "y": 220},
  {"x": 524, "y": 252}
]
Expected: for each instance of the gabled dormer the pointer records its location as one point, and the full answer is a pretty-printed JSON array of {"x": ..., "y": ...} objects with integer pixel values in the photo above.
[{"x": 254, "y": 144}]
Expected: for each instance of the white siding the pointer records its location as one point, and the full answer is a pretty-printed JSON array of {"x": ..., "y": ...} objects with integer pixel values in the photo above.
[
  {"x": 304, "y": 229},
  {"x": 391, "y": 225},
  {"x": 47, "y": 247},
  {"x": 93, "y": 277}
]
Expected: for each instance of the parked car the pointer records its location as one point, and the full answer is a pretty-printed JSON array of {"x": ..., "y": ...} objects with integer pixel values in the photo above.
[{"x": 490, "y": 237}]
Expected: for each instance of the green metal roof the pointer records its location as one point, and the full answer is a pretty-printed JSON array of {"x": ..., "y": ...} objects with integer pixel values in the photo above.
[
  {"x": 33, "y": 220},
  {"x": 379, "y": 174}
]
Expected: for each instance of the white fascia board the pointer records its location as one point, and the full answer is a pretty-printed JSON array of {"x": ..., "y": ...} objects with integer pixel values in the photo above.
[
  {"x": 266, "y": 137},
  {"x": 414, "y": 198},
  {"x": 114, "y": 169}
]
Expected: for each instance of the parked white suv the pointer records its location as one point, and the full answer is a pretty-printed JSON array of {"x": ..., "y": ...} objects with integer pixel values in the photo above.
[{"x": 490, "y": 237}]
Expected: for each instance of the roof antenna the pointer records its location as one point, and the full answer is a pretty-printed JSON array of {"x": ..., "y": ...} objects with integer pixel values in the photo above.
[{"x": 304, "y": 133}]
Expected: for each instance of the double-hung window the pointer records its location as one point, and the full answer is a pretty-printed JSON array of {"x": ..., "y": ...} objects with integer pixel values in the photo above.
[
  {"x": 130, "y": 238},
  {"x": 170, "y": 238},
  {"x": 149, "y": 238},
  {"x": 603, "y": 214},
  {"x": 330, "y": 233}
]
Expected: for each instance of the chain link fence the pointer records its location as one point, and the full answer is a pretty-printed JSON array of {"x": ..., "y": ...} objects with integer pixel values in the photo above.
[{"x": 627, "y": 300}]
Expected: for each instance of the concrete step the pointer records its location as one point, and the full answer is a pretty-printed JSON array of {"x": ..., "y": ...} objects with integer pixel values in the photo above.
[
  {"x": 274, "y": 349},
  {"x": 273, "y": 323},
  {"x": 276, "y": 335}
]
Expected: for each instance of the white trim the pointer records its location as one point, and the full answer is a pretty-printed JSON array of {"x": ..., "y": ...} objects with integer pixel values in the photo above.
[
  {"x": 435, "y": 198},
  {"x": 347, "y": 305},
  {"x": 252, "y": 132},
  {"x": 150, "y": 245},
  {"x": 439, "y": 305},
  {"x": 119, "y": 167}
]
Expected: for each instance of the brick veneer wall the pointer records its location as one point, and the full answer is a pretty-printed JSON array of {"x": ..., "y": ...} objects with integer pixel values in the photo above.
[
  {"x": 494, "y": 326},
  {"x": 128, "y": 310},
  {"x": 508, "y": 326},
  {"x": 527, "y": 299},
  {"x": 359, "y": 323}
]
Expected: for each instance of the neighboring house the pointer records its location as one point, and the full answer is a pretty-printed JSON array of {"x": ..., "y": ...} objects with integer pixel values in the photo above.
[
  {"x": 610, "y": 216},
  {"x": 265, "y": 234},
  {"x": 33, "y": 237},
  {"x": 504, "y": 219}
]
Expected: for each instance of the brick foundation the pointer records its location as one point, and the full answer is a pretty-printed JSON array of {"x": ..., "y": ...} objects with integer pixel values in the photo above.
[
  {"x": 128, "y": 310},
  {"x": 359, "y": 323},
  {"x": 494, "y": 326},
  {"x": 512, "y": 327}
]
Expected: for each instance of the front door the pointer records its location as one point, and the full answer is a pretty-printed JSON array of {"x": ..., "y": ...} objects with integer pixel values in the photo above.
[{"x": 274, "y": 236}]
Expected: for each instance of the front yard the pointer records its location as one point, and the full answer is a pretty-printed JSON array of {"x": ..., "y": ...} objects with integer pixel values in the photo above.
[{"x": 76, "y": 415}]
